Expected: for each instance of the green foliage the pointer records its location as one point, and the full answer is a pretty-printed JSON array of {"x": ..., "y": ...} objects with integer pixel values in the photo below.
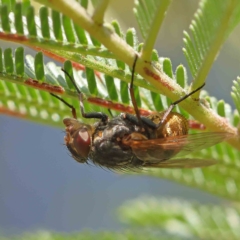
[
  {"x": 100, "y": 61},
  {"x": 236, "y": 93},
  {"x": 126, "y": 235},
  {"x": 202, "y": 47},
  {"x": 183, "y": 218},
  {"x": 150, "y": 21}
]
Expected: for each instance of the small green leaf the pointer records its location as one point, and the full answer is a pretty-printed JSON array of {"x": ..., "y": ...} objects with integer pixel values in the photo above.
[
  {"x": 57, "y": 27},
  {"x": 25, "y": 5},
  {"x": 131, "y": 37},
  {"x": 68, "y": 68},
  {"x": 81, "y": 35},
  {"x": 31, "y": 25},
  {"x": 18, "y": 18},
  {"x": 236, "y": 93},
  {"x": 84, "y": 3},
  {"x": 4, "y": 18},
  {"x": 8, "y": 61},
  {"x": 167, "y": 67},
  {"x": 124, "y": 92},
  {"x": 220, "y": 108},
  {"x": 19, "y": 61},
  {"x": 92, "y": 86},
  {"x": 111, "y": 88},
  {"x": 155, "y": 56},
  {"x": 181, "y": 76},
  {"x": 157, "y": 101},
  {"x": 117, "y": 28},
  {"x": 43, "y": 14},
  {"x": 1, "y": 61},
  {"x": 68, "y": 28},
  {"x": 9, "y": 4},
  {"x": 236, "y": 118},
  {"x": 39, "y": 67},
  {"x": 95, "y": 42}
]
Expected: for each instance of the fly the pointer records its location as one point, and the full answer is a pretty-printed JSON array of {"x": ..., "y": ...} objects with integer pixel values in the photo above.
[{"x": 128, "y": 141}]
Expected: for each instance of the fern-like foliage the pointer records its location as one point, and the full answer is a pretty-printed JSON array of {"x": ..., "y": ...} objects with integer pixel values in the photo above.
[
  {"x": 185, "y": 218},
  {"x": 99, "y": 57},
  {"x": 150, "y": 22},
  {"x": 205, "y": 41},
  {"x": 35, "y": 76},
  {"x": 87, "y": 235},
  {"x": 236, "y": 94}
]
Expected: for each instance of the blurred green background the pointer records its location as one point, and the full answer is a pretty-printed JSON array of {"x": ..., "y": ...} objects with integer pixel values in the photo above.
[{"x": 41, "y": 187}]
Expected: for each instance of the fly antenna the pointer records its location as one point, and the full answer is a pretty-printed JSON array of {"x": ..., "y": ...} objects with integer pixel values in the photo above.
[{"x": 74, "y": 114}]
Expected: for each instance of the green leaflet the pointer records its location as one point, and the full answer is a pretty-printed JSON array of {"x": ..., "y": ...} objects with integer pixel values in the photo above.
[{"x": 212, "y": 24}]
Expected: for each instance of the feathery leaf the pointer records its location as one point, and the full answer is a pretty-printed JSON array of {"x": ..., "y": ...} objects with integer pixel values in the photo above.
[
  {"x": 236, "y": 93},
  {"x": 183, "y": 218},
  {"x": 212, "y": 24},
  {"x": 150, "y": 15}
]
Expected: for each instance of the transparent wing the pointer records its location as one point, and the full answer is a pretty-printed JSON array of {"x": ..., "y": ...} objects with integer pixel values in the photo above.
[
  {"x": 155, "y": 150},
  {"x": 182, "y": 163}
]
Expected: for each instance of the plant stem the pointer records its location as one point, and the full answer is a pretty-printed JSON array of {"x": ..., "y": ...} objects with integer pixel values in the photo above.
[{"x": 148, "y": 45}]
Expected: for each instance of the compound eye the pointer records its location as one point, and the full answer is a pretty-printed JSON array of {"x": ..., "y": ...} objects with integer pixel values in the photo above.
[{"x": 82, "y": 142}]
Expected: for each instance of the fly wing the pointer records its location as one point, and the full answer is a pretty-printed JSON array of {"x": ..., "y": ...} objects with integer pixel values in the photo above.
[
  {"x": 155, "y": 150},
  {"x": 199, "y": 141},
  {"x": 181, "y": 163}
]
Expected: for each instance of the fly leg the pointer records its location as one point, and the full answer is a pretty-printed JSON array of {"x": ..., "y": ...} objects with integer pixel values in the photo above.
[
  {"x": 98, "y": 115},
  {"x": 131, "y": 91},
  {"x": 139, "y": 120},
  {"x": 171, "y": 107},
  {"x": 133, "y": 119}
]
